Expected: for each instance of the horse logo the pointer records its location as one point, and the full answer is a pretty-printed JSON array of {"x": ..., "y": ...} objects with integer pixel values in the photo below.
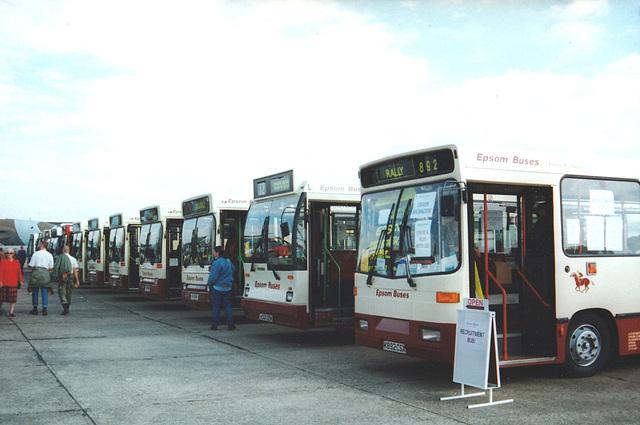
[{"x": 582, "y": 283}]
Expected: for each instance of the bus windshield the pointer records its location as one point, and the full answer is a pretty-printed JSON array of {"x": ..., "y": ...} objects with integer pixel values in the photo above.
[
  {"x": 93, "y": 244},
  {"x": 275, "y": 233},
  {"x": 151, "y": 243},
  {"x": 410, "y": 231},
  {"x": 116, "y": 244},
  {"x": 197, "y": 240}
]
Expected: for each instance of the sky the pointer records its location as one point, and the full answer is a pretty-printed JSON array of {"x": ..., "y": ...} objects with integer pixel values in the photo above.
[{"x": 113, "y": 106}]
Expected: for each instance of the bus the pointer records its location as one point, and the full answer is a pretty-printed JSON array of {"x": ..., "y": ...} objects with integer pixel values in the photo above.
[
  {"x": 160, "y": 252},
  {"x": 97, "y": 239},
  {"x": 299, "y": 252},
  {"x": 549, "y": 242},
  {"x": 206, "y": 225},
  {"x": 122, "y": 252},
  {"x": 78, "y": 249}
]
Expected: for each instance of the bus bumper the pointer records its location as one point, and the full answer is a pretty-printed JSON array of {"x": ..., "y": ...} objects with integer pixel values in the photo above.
[
  {"x": 295, "y": 316},
  {"x": 405, "y": 337}
]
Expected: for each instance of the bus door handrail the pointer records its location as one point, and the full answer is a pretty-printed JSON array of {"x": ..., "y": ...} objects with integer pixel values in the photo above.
[
  {"x": 325, "y": 248},
  {"x": 544, "y": 303},
  {"x": 504, "y": 312},
  {"x": 488, "y": 275}
]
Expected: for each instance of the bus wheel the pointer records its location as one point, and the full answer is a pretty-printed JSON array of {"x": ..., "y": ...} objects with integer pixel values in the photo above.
[{"x": 588, "y": 345}]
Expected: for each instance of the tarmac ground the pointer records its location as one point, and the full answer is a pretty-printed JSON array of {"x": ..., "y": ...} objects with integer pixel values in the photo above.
[{"x": 121, "y": 358}]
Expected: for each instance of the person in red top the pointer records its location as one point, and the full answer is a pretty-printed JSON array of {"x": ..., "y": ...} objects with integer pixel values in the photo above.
[{"x": 10, "y": 281}]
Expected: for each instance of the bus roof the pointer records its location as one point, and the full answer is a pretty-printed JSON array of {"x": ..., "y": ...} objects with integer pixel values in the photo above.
[
  {"x": 123, "y": 219},
  {"x": 495, "y": 165},
  {"x": 98, "y": 223},
  {"x": 205, "y": 204},
  {"x": 159, "y": 213},
  {"x": 284, "y": 184}
]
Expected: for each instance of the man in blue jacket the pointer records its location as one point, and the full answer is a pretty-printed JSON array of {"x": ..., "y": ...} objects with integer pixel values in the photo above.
[{"x": 220, "y": 282}]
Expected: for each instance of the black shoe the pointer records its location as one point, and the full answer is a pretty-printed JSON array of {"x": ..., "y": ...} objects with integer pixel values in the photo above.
[
  {"x": 34, "y": 311},
  {"x": 12, "y": 315},
  {"x": 65, "y": 308},
  {"x": 214, "y": 328},
  {"x": 232, "y": 327},
  {"x": 44, "y": 311}
]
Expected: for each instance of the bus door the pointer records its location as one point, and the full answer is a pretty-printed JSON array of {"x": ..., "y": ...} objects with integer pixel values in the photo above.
[
  {"x": 512, "y": 264},
  {"x": 105, "y": 256},
  {"x": 333, "y": 250},
  {"x": 174, "y": 253},
  {"x": 134, "y": 257},
  {"x": 231, "y": 224}
]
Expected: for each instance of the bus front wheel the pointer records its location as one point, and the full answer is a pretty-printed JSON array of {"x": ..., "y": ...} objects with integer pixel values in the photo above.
[{"x": 588, "y": 344}]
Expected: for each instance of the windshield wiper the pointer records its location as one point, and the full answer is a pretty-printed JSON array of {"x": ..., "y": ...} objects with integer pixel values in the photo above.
[
  {"x": 381, "y": 241},
  {"x": 264, "y": 240},
  {"x": 406, "y": 243},
  {"x": 261, "y": 241}
]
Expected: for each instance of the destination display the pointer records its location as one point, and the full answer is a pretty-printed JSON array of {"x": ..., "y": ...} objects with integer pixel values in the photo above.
[
  {"x": 150, "y": 214},
  {"x": 273, "y": 185},
  {"x": 93, "y": 224},
  {"x": 409, "y": 167},
  {"x": 115, "y": 220},
  {"x": 196, "y": 206}
]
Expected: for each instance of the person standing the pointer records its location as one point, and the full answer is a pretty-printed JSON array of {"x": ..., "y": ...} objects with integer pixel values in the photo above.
[
  {"x": 22, "y": 257},
  {"x": 220, "y": 282},
  {"x": 65, "y": 270},
  {"x": 41, "y": 264},
  {"x": 10, "y": 281}
]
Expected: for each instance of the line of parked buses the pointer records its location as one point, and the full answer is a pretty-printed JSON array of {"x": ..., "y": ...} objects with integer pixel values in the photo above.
[{"x": 395, "y": 257}]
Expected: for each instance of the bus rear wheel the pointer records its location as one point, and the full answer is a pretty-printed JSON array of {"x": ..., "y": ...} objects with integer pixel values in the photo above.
[{"x": 588, "y": 345}]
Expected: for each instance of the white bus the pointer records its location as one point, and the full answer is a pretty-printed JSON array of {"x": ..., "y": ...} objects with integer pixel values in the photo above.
[
  {"x": 299, "y": 252},
  {"x": 122, "y": 252},
  {"x": 553, "y": 244},
  {"x": 160, "y": 252},
  {"x": 207, "y": 225},
  {"x": 78, "y": 249},
  {"x": 97, "y": 238}
]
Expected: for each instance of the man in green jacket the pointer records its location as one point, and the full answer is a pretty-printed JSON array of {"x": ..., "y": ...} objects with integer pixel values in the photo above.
[{"x": 65, "y": 271}]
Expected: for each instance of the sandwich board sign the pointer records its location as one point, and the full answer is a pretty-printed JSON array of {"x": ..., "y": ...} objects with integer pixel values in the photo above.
[{"x": 476, "y": 356}]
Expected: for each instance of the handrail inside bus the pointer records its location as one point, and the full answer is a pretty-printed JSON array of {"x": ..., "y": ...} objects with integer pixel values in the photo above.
[
  {"x": 488, "y": 275},
  {"x": 544, "y": 303},
  {"x": 504, "y": 312},
  {"x": 327, "y": 252},
  {"x": 326, "y": 271}
]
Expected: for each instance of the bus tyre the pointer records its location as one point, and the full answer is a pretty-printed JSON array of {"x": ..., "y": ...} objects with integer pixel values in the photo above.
[{"x": 588, "y": 345}]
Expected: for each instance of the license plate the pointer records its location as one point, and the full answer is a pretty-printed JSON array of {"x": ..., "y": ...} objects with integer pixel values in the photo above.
[
  {"x": 265, "y": 317},
  {"x": 396, "y": 347},
  {"x": 194, "y": 297}
]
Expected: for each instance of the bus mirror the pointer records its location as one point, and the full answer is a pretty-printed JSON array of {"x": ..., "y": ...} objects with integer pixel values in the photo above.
[
  {"x": 448, "y": 206},
  {"x": 284, "y": 229}
]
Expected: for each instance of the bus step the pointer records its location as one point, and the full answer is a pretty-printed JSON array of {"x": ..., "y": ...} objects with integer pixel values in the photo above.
[{"x": 514, "y": 343}]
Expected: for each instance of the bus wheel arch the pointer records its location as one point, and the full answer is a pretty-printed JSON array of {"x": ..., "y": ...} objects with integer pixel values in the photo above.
[{"x": 588, "y": 343}]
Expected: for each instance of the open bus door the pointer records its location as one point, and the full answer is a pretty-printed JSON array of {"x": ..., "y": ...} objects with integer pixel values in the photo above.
[
  {"x": 231, "y": 225},
  {"x": 513, "y": 265},
  {"x": 174, "y": 255},
  {"x": 333, "y": 252},
  {"x": 134, "y": 257}
]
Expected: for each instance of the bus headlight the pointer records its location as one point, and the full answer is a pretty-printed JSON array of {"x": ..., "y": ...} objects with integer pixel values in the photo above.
[
  {"x": 246, "y": 291},
  {"x": 289, "y": 296},
  {"x": 430, "y": 335},
  {"x": 363, "y": 325}
]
